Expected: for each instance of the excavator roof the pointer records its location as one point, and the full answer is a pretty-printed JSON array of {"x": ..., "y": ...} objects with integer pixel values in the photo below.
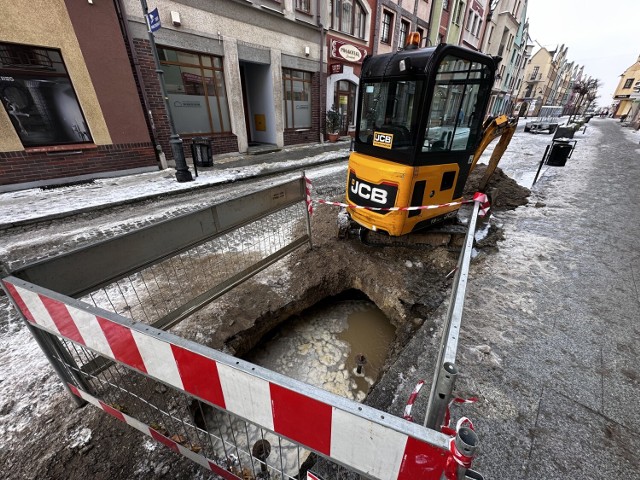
[{"x": 417, "y": 61}]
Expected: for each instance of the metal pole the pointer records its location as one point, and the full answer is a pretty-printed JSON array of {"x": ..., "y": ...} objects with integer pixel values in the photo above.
[
  {"x": 304, "y": 181},
  {"x": 540, "y": 166},
  {"x": 437, "y": 408},
  {"x": 182, "y": 171},
  {"x": 441, "y": 387}
]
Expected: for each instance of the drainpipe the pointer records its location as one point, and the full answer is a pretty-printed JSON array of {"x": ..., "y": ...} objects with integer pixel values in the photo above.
[
  {"x": 124, "y": 26},
  {"x": 433, "y": 4},
  {"x": 321, "y": 97}
]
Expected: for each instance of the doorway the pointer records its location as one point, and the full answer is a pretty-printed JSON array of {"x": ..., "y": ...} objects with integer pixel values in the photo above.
[
  {"x": 257, "y": 103},
  {"x": 345, "y": 101}
]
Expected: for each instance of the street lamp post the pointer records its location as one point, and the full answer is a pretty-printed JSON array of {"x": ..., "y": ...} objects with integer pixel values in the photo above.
[{"x": 182, "y": 171}]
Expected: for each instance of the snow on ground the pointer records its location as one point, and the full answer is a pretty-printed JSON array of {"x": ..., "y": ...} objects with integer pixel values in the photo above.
[{"x": 35, "y": 202}]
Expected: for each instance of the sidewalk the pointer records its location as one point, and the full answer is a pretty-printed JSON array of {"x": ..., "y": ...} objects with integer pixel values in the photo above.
[{"x": 36, "y": 204}]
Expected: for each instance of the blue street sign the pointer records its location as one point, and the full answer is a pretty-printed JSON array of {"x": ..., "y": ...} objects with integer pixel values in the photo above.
[{"x": 153, "y": 20}]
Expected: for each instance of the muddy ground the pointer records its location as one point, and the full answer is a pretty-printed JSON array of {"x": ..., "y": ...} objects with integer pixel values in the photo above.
[{"x": 407, "y": 284}]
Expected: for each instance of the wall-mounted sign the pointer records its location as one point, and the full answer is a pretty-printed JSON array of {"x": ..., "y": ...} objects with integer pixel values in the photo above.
[
  {"x": 346, "y": 51},
  {"x": 335, "y": 68}
]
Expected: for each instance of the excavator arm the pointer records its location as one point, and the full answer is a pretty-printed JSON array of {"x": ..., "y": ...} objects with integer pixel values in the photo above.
[{"x": 500, "y": 126}]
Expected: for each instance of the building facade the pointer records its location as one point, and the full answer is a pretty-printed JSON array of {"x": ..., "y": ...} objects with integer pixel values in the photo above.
[
  {"x": 70, "y": 109},
  {"x": 626, "y": 94},
  {"x": 238, "y": 73},
  {"x": 506, "y": 37}
]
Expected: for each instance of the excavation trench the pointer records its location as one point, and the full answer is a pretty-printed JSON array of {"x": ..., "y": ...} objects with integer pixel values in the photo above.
[{"x": 263, "y": 320}]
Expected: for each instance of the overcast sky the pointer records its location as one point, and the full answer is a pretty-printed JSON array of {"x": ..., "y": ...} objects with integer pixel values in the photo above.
[{"x": 604, "y": 36}]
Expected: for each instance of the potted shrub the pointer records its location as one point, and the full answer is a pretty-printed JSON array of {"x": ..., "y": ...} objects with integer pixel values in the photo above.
[{"x": 333, "y": 124}]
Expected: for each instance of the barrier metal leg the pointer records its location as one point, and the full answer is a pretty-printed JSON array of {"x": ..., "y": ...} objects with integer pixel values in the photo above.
[
  {"x": 438, "y": 405},
  {"x": 47, "y": 350}
]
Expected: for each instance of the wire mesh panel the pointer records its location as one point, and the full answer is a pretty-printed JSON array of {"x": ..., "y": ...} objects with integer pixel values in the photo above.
[
  {"x": 152, "y": 293},
  {"x": 163, "y": 273}
]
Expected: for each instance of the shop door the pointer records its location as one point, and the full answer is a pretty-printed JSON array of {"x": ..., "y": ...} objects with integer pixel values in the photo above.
[{"x": 345, "y": 101}]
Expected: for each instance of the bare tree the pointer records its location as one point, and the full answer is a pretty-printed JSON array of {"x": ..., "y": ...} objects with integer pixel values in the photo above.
[{"x": 586, "y": 90}]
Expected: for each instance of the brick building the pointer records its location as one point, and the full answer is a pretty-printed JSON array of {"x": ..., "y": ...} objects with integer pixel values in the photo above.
[{"x": 70, "y": 110}]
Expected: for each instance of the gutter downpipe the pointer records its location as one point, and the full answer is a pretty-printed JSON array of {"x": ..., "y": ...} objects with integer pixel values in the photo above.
[
  {"x": 122, "y": 17},
  {"x": 321, "y": 98},
  {"x": 433, "y": 5}
]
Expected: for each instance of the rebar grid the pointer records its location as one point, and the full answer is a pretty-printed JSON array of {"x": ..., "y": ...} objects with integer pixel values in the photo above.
[
  {"x": 158, "y": 290},
  {"x": 218, "y": 435}
]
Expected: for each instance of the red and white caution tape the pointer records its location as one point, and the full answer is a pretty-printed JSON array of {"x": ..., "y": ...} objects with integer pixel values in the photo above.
[
  {"x": 412, "y": 399},
  {"x": 484, "y": 203},
  {"x": 447, "y": 416},
  {"x": 308, "y": 186},
  {"x": 478, "y": 197}
]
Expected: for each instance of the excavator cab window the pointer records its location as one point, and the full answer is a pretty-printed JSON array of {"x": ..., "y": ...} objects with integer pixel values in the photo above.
[
  {"x": 389, "y": 114},
  {"x": 454, "y": 122}
]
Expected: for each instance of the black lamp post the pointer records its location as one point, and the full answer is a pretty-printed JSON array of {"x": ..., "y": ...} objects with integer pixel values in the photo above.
[{"x": 182, "y": 171}]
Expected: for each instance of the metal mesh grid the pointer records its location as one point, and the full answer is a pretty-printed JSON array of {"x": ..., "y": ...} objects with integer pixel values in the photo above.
[
  {"x": 158, "y": 290},
  {"x": 226, "y": 439}
]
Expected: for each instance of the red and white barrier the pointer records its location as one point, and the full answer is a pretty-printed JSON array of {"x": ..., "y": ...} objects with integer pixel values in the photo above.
[{"x": 348, "y": 437}]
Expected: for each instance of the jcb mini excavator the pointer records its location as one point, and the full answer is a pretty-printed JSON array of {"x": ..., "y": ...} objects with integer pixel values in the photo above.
[{"x": 420, "y": 133}]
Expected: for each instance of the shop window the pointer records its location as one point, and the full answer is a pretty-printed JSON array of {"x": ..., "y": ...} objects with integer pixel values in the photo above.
[
  {"x": 296, "y": 98},
  {"x": 348, "y": 16},
  {"x": 196, "y": 90},
  {"x": 38, "y": 96}
]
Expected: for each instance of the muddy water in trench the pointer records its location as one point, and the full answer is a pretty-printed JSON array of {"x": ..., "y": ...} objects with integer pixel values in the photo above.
[{"x": 319, "y": 347}]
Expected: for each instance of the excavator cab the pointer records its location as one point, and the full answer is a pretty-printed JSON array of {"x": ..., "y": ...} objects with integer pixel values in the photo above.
[{"x": 419, "y": 125}]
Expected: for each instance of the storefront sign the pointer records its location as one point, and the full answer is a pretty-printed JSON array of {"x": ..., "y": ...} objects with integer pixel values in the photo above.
[
  {"x": 335, "y": 68},
  {"x": 347, "y": 52}
]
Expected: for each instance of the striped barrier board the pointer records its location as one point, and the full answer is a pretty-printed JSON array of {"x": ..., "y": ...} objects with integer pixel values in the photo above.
[{"x": 354, "y": 435}]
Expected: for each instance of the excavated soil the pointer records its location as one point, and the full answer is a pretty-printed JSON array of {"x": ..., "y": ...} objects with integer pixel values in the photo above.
[{"x": 407, "y": 284}]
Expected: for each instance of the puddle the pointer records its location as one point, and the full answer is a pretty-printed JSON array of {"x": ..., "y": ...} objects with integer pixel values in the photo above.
[{"x": 319, "y": 346}]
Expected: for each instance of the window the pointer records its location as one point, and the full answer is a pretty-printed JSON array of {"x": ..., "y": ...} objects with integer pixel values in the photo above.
[
  {"x": 445, "y": 5},
  {"x": 536, "y": 69},
  {"x": 479, "y": 27},
  {"x": 458, "y": 13},
  {"x": 296, "y": 98},
  {"x": 628, "y": 83},
  {"x": 475, "y": 24},
  {"x": 348, "y": 16},
  {"x": 39, "y": 98},
  {"x": 196, "y": 90},
  {"x": 387, "y": 22},
  {"x": 421, "y": 33},
  {"x": 303, "y": 6},
  {"x": 468, "y": 27},
  {"x": 453, "y": 122},
  {"x": 390, "y": 106},
  {"x": 404, "y": 30}
]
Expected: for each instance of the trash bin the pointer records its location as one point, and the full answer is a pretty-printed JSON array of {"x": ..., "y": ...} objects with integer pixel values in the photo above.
[
  {"x": 201, "y": 152},
  {"x": 560, "y": 152},
  {"x": 564, "y": 132}
]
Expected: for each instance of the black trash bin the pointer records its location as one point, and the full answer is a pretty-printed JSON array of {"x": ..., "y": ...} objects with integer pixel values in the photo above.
[
  {"x": 560, "y": 153},
  {"x": 201, "y": 152}
]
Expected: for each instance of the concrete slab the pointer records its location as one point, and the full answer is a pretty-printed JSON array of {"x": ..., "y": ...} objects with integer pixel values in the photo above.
[{"x": 572, "y": 441}]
